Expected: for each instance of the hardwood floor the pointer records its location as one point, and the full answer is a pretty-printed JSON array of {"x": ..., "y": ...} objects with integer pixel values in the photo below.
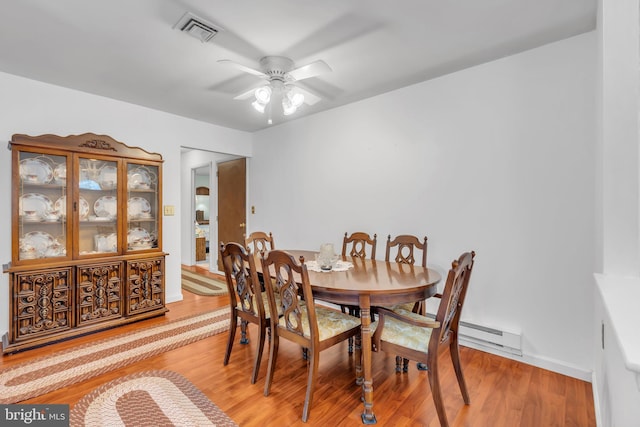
[{"x": 504, "y": 393}]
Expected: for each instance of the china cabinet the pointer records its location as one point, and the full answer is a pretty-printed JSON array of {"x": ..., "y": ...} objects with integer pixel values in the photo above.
[{"x": 86, "y": 237}]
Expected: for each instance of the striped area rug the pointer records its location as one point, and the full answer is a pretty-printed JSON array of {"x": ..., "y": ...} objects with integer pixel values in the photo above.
[
  {"x": 158, "y": 398},
  {"x": 202, "y": 285},
  {"x": 63, "y": 368}
]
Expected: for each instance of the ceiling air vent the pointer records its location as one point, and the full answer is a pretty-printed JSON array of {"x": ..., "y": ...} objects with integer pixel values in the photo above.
[{"x": 197, "y": 27}]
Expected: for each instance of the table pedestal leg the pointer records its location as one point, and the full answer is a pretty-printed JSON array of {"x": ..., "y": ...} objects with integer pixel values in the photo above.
[
  {"x": 358, "y": 357},
  {"x": 368, "y": 417}
]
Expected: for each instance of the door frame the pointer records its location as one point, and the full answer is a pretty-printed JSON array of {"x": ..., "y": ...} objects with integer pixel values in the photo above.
[{"x": 218, "y": 157}]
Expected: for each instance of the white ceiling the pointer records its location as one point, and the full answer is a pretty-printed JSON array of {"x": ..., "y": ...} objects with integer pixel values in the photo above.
[{"x": 129, "y": 50}]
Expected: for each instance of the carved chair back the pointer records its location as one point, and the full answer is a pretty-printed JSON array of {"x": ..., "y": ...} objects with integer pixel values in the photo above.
[
  {"x": 359, "y": 242},
  {"x": 261, "y": 242},
  {"x": 407, "y": 246},
  {"x": 242, "y": 279}
]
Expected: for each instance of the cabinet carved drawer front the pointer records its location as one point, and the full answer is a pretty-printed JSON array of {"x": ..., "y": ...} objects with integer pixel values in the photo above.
[
  {"x": 43, "y": 303},
  {"x": 145, "y": 285},
  {"x": 99, "y": 289}
]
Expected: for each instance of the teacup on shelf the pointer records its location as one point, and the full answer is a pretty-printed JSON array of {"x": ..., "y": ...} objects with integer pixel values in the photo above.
[
  {"x": 31, "y": 178},
  {"x": 31, "y": 216},
  {"x": 28, "y": 251},
  {"x": 51, "y": 217},
  {"x": 142, "y": 186},
  {"x": 107, "y": 185},
  {"x": 31, "y": 254},
  {"x": 53, "y": 251}
]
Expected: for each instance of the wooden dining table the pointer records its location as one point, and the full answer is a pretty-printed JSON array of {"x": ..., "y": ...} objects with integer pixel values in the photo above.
[{"x": 368, "y": 284}]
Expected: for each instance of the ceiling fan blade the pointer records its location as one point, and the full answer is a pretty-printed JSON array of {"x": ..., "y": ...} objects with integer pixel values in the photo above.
[
  {"x": 245, "y": 95},
  {"x": 242, "y": 67},
  {"x": 309, "y": 98},
  {"x": 310, "y": 70}
]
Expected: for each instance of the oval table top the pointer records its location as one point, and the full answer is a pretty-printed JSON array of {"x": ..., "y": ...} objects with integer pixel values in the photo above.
[{"x": 384, "y": 282}]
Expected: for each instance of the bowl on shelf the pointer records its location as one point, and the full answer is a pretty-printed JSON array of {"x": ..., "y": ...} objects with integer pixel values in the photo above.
[{"x": 51, "y": 217}]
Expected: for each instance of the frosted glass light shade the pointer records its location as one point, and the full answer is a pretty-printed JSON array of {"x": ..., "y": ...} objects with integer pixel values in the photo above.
[
  {"x": 263, "y": 95},
  {"x": 296, "y": 99},
  {"x": 287, "y": 107}
]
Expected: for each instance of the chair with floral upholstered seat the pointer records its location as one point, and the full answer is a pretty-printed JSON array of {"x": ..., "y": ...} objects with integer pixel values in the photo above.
[
  {"x": 420, "y": 338},
  {"x": 246, "y": 301},
  {"x": 312, "y": 326},
  {"x": 406, "y": 248}
]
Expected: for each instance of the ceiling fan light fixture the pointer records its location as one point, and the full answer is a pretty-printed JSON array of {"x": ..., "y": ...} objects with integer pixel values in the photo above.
[
  {"x": 291, "y": 102},
  {"x": 281, "y": 87},
  {"x": 296, "y": 98},
  {"x": 287, "y": 107},
  {"x": 263, "y": 95}
]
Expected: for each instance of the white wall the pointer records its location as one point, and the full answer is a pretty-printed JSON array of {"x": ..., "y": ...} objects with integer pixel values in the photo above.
[
  {"x": 36, "y": 108},
  {"x": 498, "y": 158}
]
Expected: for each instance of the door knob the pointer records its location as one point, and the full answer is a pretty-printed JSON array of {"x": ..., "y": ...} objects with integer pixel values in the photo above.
[{"x": 242, "y": 225}]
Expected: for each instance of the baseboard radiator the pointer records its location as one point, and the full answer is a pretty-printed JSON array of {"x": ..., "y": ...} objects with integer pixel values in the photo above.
[
  {"x": 478, "y": 336},
  {"x": 495, "y": 339}
]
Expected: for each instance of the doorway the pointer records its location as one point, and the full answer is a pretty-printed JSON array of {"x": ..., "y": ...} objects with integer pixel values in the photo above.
[
  {"x": 202, "y": 207},
  {"x": 194, "y": 163}
]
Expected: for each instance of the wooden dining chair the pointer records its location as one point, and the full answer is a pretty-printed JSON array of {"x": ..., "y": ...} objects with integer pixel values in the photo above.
[
  {"x": 359, "y": 242},
  {"x": 303, "y": 322},
  {"x": 246, "y": 301},
  {"x": 417, "y": 337},
  {"x": 406, "y": 248},
  {"x": 260, "y": 241}
]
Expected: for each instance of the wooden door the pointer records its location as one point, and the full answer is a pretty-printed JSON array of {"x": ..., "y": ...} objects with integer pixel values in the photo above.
[{"x": 232, "y": 180}]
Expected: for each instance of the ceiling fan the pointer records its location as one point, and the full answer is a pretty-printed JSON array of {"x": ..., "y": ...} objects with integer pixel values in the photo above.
[{"x": 281, "y": 83}]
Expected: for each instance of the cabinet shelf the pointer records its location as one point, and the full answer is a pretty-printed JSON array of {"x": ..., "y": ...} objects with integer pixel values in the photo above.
[
  {"x": 41, "y": 222},
  {"x": 62, "y": 268},
  {"x": 32, "y": 185}
]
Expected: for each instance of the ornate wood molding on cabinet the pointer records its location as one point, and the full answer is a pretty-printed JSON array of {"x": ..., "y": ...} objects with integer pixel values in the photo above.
[{"x": 86, "y": 237}]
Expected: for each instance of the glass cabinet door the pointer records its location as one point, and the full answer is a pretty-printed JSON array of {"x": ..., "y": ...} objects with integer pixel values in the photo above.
[
  {"x": 42, "y": 207},
  {"x": 96, "y": 207},
  {"x": 143, "y": 207}
]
